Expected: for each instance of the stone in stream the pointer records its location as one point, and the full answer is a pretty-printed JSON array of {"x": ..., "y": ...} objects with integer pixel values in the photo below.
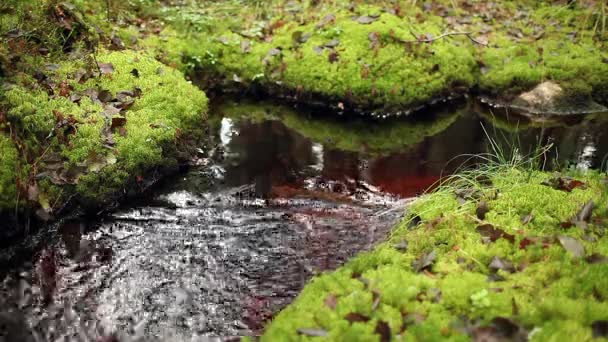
[{"x": 549, "y": 98}]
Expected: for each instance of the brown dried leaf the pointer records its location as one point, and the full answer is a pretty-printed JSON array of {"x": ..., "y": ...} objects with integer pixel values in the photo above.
[
  {"x": 106, "y": 68},
  {"x": 356, "y": 317},
  {"x": 572, "y": 245},
  {"x": 489, "y": 231},
  {"x": 384, "y": 330},
  {"x": 331, "y": 301},
  {"x": 425, "y": 261}
]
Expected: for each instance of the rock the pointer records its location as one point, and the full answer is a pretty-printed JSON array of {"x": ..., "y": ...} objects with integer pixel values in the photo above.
[{"x": 548, "y": 98}]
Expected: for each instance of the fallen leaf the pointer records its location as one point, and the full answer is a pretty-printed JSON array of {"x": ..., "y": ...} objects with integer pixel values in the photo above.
[
  {"x": 109, "y": 111},
  {"x": 524, "y": 243},
  {"x": 482, "y": 210},
  {"x": 331, "y": 301},
  {"x": 584, "y": 215},
  {"x": 245, "y": 46},
  {"x": 330, "y": 18},
  {"x": 564, "y": 183},
  {"x": 274, "y": 52},
  {"x": 33, "y": 192},
  {"x": 116, "y": 43},
  {"x": 572, "y": 245},
  {"x": 312, "y": 332},
  {"x": 401, "y": 246},
  {"x": 104, "y": 96},
  {"x": 367, "y": 19},
  {"x": 118, "y": 121},
  {"x": 332, "y": 43},
  {"x": 501, "y": 329},
  {"x": 488, "y": 231},
  {"x": 333, "y": 56},
  {"x": 527, "y": 219},
  {"x": 356, "y": 317},
  {"x": 106, "y": 68},
  {"x": 500, "y": 264},
  {"x": 425, "y": 261},
  {"x": 384, "y": 330}
]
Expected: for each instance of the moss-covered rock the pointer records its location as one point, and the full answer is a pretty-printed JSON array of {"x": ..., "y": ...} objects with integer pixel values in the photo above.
[
  {"x": 96, "y": 132},
  {"x": 449, "y": 272}
]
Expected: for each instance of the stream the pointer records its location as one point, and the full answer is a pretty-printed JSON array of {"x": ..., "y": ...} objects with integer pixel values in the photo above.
[{"x": 274, "y": 197}]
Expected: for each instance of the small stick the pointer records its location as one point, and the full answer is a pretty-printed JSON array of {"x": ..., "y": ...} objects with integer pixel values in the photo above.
[{"x": 447, "y": 34}]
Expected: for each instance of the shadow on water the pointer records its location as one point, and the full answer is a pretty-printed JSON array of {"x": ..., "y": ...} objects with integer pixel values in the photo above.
[{"x": 277, "y": 196}]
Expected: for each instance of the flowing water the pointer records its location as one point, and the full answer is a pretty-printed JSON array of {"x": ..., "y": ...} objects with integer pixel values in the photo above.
[{"x": 275, "y": 197}]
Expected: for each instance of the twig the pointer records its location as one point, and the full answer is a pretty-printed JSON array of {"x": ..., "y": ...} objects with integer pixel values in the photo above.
[{"x": 447, "y": 34}]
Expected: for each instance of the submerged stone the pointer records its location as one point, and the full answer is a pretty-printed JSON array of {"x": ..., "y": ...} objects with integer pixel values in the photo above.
[{"x": 549, "y": 98}]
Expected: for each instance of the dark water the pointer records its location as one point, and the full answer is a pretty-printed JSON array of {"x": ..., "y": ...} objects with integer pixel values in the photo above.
[{"x": 276, "y": 196}]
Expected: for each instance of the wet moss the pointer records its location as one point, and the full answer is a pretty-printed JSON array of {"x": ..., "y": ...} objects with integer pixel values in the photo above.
[
  {"x": 88, "y": 148},
  {"x": 379, "y": 66},
  {"x": 547, "y": 291},
  {"x": 9, "y": 159}
]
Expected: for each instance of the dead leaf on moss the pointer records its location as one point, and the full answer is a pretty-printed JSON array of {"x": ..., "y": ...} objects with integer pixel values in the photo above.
[
  {"x": 572, "y": 245},
  {"x": 500, "y": 264},
  {"x": 564, "y": 183},
  {"x": 330, "y": 18},
  {"x": 333, "y": 56},
  {"x": 527, "y": 219},
  {"x": 106, "y": 68},
  {"x": 332, "y": 43},
  {"x": 118, "y": 121},
  {"x": 367, "y": 19},
  {"x": 104, "y": 96},
  {"x": 584, "y": 215},
  {"x": 384, "y": 330},
  {"x": 331, "y": 301},
  {"x": 312, "y": 332},
  {"x": 356, "y": 317},
  {"x": 482, "y": 210},
  {"x": 493, "y": 234},
  {"x": 425, "y": 261}
]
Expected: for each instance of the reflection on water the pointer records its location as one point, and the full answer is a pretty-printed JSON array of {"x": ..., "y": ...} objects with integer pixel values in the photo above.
[{"x": 281, "y": 196}]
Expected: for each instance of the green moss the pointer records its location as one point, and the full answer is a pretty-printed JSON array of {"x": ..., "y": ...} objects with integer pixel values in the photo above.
[
  {"x": 550, "y": 292},
  {"x": 373, "y": 67},
  {"x": 9, "y": 163},
  {"x": 106, "y": 159}
]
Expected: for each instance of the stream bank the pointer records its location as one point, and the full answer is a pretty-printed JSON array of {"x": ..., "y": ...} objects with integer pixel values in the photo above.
[{"x": 272, "y": 204}]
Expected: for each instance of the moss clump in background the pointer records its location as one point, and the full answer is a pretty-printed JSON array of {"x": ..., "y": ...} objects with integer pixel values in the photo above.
[
  {"x": 522, "y": 269},
  {"x": 367, "y": 56}
]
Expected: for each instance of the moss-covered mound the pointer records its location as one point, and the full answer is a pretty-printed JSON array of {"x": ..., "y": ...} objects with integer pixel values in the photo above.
[
  {"x": 520, "y": 255},
  {"x": 393, "y": 56},
  {"x": 94, "y": 128},
  {"x": 356, "y": 135}
]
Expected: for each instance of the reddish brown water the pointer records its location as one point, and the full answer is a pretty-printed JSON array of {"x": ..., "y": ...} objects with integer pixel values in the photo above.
[{"x": 219, "y": 250}]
